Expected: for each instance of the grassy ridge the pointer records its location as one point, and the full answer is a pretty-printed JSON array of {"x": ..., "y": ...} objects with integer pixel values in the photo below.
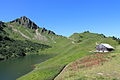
[{"x": 66, "y": 52}]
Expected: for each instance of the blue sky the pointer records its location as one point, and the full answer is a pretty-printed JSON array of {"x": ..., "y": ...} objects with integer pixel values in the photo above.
[{"x": 66, "y": 17}]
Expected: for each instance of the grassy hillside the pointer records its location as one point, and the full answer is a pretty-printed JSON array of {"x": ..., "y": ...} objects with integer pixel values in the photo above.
[
  {"x": 20, "y": 32},
  {"x": 77, "y": 37},
  {"x": 66, "y": 51},
  {"x": 24, "y": 36},
  {"x": 16, "y": 41},
  {"x": 101, "y": 66}
]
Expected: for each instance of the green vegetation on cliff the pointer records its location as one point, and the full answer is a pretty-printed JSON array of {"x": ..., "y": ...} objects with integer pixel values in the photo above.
[{"x": 14, "y": 41}]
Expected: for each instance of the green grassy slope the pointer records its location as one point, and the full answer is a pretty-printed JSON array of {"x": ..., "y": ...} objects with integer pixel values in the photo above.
[
  {"x": 101, "y": 67},
  {"x": 17, "y": 41},
  {"x": 12, "y": 48},
  {"x": 66, "y": 51},
  {"x": 106, "y": 71},
  {"x": 63, "y": 49},
  {"x": 19, "y": 32}
]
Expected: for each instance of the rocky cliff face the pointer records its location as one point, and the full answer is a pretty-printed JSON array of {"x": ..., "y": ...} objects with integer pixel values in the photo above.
[
  {"x": 24, "y": 21},
  {"x": 47, "y": 31},
  {"x": 51, "y": 32}
]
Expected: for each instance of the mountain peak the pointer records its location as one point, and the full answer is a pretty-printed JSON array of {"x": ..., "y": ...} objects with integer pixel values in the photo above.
[
  {"x": 24, "y": 21},
  {"x": 24, "y": 18}
]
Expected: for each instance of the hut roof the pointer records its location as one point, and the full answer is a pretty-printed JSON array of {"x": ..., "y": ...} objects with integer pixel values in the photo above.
[{"x": 107, "y": 45}]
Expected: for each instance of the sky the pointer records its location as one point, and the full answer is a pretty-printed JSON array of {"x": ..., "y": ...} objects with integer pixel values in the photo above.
[{"x": 66, "y": 17}]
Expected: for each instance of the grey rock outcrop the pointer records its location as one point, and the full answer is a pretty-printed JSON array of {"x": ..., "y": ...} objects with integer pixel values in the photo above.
[
  {"x": 43, "y": 30},
  {"x": 24, "y": 21},
  {"x": 51, "y": 32},
  {"x": 47, "y": 31}
]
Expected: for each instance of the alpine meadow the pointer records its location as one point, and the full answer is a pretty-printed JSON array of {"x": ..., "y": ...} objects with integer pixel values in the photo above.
[{"x": 60, "y": 57}]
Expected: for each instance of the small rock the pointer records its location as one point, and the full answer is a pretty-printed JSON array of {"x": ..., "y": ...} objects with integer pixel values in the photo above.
[{"x": 100, "y": 73}]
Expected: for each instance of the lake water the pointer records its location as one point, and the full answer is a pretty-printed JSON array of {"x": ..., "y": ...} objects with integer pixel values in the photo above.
[{"x": 13, "y": 69}]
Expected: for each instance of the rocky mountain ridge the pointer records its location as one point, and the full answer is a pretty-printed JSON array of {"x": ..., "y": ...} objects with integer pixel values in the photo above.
[{"x": 24, "y": 21}]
